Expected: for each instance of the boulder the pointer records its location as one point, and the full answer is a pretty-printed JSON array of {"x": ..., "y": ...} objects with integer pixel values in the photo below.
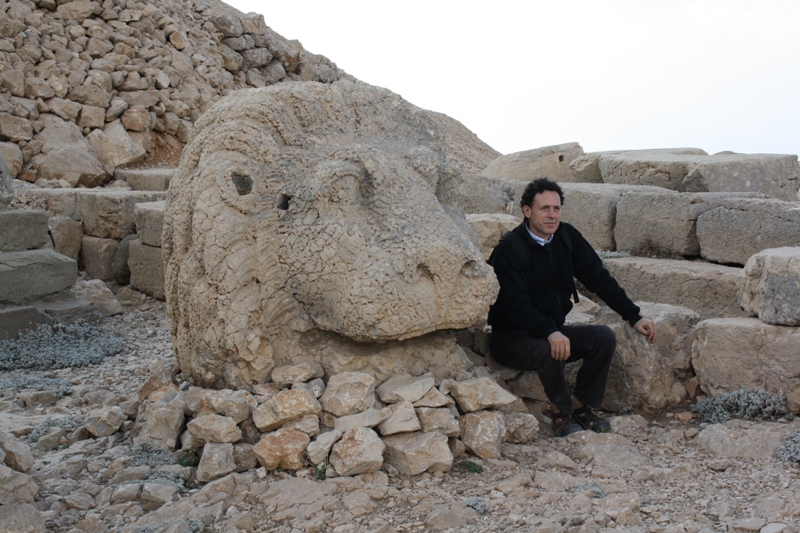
[
  {"x": 285, "y": 406},
  {"x": 438, "y": 420},
  {"x": 733, "y": 353},
  {"x": 12, "y": 156},
  {"x": 214, "y": 428},
  {"x": 365, "y": 419},
  {"x": 18, "y": 455},
  {"x": 520, "y": 427},
  {"x": 358, "y": 451},
  {"x": 707, "y": 289},
  {"x": 98, "y": 293},
  {"x": 550, "y": 162},
  {"x": 775, "y": 175},
  {"x": 414, "y": 453},
  {"x": 739, "y": 228},
  {"x": 404, "y": 387},
  {"x": 320, "y": 448},
  {"x": 114, "y": 147},
  {"x": 15, "y": 129},
  {"x": 161, "y": 424},
  {"x": 772, "y": 286},
  {"x": 403, "y": 419},
  {"x": 480, "y": 393},
  {"x": 290, "y": 258},
  {"x": 105, "y": 422},
  {"x": 21, "y": 518},
  {"x": 16, "y": 487},
  {"x": 285, "y": 376},
  {"x": 234, "y": 404},
  {"x": 482, "y": 432},
  {"x": 216, "y": 461},
  {"x": 66, "y": 155},
  {"x": 675, "y": 234},
  {"x": 348, "y": 393}
]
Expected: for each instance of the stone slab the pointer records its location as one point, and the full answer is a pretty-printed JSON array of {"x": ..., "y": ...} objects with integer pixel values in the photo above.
[
  {"x": 663, "y": 222},
  {"x": 149, "y": 222},
  {"x": 62, "y": 202},
  {"x": 147, "y": 179},
  {"x": 772, "y": 286},
  {"x": 550, "y": 162},
  {"x": 33, "y": 274},
  {"x": 109, "y": 214},
  {"x": 592, "y": 208},
  {"x": 733, "y": 353},
  {"x": 16, "y": 320},
  {"x": 70, "y": 311},
  {"x": 739, "y": 228},
  {"x": 23, "y": 230},
  {"x": 708, "y": 289},
  {"x": 97, "y": 257},
  {"x": 775, "y": 175},
  {"x": 586, "y": 168},
  {"x": 147, "y": 269}
]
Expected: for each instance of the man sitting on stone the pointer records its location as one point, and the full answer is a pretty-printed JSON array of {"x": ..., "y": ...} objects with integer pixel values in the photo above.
[{"x": 535, "y": 264}]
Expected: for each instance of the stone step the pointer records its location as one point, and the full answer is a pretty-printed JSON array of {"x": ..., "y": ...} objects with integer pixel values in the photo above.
[
  {"x": 146, "y": 179},
  {"x": 23, "y": 230},
  {"x": 150, "y": 222},
  {"x": 710, "y": 290},
  {"x": 33, "y": 274}
]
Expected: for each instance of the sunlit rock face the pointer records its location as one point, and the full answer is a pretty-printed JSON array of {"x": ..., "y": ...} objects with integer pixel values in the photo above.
[{"x": 304, "y": 224}]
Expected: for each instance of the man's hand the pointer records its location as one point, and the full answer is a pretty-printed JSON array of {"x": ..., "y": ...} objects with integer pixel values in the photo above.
[
  {"x": 646, "y": 327},
  {"x": 559, "y": 346}
]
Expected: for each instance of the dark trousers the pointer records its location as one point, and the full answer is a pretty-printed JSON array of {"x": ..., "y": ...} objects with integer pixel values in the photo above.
[{"x": 595, "y": 345}]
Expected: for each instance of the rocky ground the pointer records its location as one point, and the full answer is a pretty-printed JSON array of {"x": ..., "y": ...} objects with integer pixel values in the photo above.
[{"x": 660, "y": 473}]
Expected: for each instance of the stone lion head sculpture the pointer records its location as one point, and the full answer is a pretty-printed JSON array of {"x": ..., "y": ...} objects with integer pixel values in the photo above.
[{"x": 303, "y": 223}]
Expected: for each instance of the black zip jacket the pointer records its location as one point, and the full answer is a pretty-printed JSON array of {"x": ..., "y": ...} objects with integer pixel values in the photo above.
[{"x": 537, "y": 299}]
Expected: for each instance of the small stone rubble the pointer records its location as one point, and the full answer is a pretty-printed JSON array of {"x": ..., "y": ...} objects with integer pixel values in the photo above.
[{"x": 80, "y": 455}]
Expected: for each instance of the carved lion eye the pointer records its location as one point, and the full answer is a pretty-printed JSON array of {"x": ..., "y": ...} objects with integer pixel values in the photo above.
[{"x": 242, "y": 182}]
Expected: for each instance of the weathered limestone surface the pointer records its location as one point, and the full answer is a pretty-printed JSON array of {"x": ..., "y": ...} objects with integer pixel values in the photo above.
[
  {"x": 547, "y": 162},
  {"x": 97, "y": 257},
  {"x": 663, "y": 222},
  {"x": 587, "y": 168},
  {"x": 67, "y": 235},
  {"x": 23, "y": 230},
  {"x": 148, "y": 179},
  {"x": 464, "y": 149},
  {"x": 734, "y": 353},
  {"x": 650, "y": 376},
  {"x": 288, "y": 274},
  {"x": 16, "y": 320},
  {"x": 146, "y": 264},
  {"x": 6, "y": 188},
  {"x": 776, "y": 175},
  {"x": 707, "y": 289},
  {"x": 772, "y": 286},
  {"x": 744, "y": 438},
  {"x": 490, "y": 227},
  {"x": 739, "y": 228},
  {"x": 110, "y": 214},
  {"x": 33, "y": 274},
  {"x": 414, "y": 453}
]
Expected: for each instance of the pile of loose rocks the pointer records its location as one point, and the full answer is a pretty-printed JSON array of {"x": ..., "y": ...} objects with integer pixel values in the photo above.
[
  {"x": 87, "y": 86},
  {"x": 128, "y": 445}
]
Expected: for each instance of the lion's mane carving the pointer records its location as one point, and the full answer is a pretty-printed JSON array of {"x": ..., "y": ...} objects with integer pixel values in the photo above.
[{"x": 303, "y": 223}]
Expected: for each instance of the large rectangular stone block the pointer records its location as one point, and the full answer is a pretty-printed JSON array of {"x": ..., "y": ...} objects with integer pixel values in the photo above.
[
  {"x": 16, "y": 320},
  {"x": 148, "y": 179},
  {"x": 109, "y": 214},
  {"x": 734, "y": 353},
  {"x": 707, "y": 289},
  {"x": 97, "y": 257},
  {"x": 663, "y": 222},
  {"x": 592, "y": 208},
  {"x": 739, "y": 228},
  {"x": 547, "y": 162},
  {"x": 147, "y": 269},
  {"x": 775, "y": 175},
  {"x": 586, "y": 168},
  {"x": 149, "y": 222},
  {"x": 23, "y": 230},
  {"x": 662, "y": 168},
  {"x": 32, "y": 274},
  {"x": 57, "y": 201},
  {"x": 772, "y": 286}
]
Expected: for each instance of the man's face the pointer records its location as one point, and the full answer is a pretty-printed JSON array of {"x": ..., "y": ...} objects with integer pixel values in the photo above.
[{"x": 544, "y": 215}]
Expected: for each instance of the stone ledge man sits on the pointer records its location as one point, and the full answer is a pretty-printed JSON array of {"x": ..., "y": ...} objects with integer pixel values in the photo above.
[{"x": 535, "y": 264}]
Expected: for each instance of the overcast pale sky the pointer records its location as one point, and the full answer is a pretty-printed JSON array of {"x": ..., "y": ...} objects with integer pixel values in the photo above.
[{"x": 609, "y": 74}]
